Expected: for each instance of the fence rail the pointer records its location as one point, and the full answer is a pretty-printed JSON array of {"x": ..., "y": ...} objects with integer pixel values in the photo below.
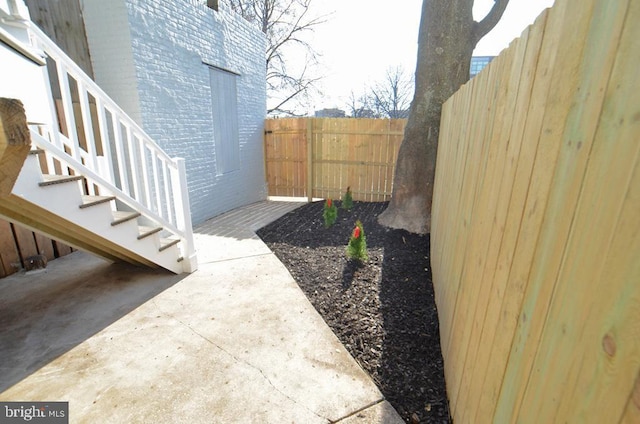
[
  {"x": 321, "y": 157},
  {"x": 535, "y": 242}
]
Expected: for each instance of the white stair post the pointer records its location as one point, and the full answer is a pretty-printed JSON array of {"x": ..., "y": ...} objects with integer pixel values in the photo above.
[{"x": 183, "y": 215}]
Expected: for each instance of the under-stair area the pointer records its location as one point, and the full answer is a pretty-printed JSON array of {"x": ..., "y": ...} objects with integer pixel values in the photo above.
[
  {"x": 92, "y": 178},
  {"x": 56, "y": 205}
]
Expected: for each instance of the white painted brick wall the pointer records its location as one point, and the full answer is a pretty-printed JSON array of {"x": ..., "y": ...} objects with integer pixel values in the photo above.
[
  {"x": 106, "y": 24},
  {"x": 170, "y": 40}
]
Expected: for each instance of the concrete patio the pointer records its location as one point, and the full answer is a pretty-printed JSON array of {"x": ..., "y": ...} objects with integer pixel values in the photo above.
[{"x": 235, "y": 342}]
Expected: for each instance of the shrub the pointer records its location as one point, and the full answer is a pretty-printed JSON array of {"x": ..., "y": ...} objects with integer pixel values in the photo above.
[
  {"x": 347, "y": 200},
  {"x": 357, "y": 247},
  {"x": 330, "y": 213}
]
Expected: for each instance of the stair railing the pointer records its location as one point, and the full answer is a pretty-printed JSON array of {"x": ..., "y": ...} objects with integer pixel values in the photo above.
[{"x": 94, "y": 137}]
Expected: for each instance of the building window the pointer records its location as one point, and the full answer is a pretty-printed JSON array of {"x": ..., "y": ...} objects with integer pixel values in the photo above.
[
  {"x": 212, "y": 4},
  {"x": 478, "y": 63},
  {"x": 224, "y": 103}
]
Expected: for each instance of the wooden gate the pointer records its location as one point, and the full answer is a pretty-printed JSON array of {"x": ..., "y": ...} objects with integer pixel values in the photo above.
[{"x": 321, "y": 157}]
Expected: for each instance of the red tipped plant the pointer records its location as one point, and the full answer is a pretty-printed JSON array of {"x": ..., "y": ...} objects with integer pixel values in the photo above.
[
  {"x": 357, "y": 247},
  {"x": 330, "y": 213}
]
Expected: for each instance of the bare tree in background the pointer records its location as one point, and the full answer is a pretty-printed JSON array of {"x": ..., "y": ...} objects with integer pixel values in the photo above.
[
  {"x": 359, "y": 107},
  {"x": 388, "y": 98},
  {"x": 391, "y": 97},
  {"x": 287, "y": 25}
]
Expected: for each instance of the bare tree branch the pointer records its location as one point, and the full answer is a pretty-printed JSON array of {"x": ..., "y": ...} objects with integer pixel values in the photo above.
[
  {"x": 480, "y": 29},
  {"x": 391, "y": 97},
  {"x": 301, "y": 89},
  {"x": 287, "y": 25}
]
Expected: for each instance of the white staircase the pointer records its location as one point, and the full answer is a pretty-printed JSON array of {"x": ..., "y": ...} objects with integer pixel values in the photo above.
[{"x": 94, "y": 179}]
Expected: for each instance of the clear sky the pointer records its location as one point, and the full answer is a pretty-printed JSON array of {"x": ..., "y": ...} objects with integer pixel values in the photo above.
[{"x": 364, "y": 38}]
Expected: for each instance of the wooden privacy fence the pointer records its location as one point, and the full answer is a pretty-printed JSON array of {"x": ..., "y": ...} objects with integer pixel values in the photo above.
[
  {"x": 321, "y": 157},
  {"x": 536, "y": 225},
  {"x": 18, "y": 243}
]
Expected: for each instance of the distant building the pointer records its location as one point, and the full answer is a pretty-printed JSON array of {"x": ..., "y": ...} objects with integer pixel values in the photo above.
[
  {"x": 478, "y": 63},
  {"x": 330, "y": 113}
]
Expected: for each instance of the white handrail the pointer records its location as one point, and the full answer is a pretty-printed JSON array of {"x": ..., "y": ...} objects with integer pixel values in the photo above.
[{"x": 98, "y": 140}]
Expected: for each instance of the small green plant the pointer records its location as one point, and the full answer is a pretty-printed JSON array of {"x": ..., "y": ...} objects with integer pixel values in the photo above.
[
  {"x": 330, "y": 213},
  {"x": 347, "y": 200},
  {"x": 357, "y": 247}
]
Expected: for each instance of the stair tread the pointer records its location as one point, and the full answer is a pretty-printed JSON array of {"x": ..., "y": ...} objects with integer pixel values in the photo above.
[
  {"x": 58, "y": 179},
  {"x": 146, "y": 231},
  {"x": 166, "y": 243},
  {"x": 88, "y": 201},
  {"x": 123, "y": 216}
]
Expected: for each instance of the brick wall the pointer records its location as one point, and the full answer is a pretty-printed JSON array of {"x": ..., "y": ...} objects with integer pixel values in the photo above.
[
  {"x": 172, "y": 44},
  {"x": 106, "y": 26}
]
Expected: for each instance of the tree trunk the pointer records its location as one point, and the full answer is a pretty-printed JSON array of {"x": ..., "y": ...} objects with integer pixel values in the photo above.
[{"x": 447, "y": 37}]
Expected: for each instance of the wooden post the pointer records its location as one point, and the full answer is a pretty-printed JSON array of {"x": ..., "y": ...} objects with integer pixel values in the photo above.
[
  {"x": 310, "y": 160},
  {"x": 15, "y": 142}
]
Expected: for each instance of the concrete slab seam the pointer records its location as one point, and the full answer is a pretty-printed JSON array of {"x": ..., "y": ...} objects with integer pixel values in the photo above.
[
  {"x": 236, "y": 258},
  {"x": 364, "y": 408},
  {"x": 240, "y": 360}
]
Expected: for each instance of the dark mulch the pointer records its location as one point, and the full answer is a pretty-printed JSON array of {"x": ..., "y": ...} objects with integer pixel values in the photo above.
[{"x": 383, "y": 311}]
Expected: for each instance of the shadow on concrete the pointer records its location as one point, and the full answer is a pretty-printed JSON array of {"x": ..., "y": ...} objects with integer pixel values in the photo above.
[
  {"x": 242, "y": 223},
  {"x": 46, "y": 314}
]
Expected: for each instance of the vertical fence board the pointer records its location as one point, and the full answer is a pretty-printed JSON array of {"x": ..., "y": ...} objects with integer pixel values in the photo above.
[
  {"x": 494, "y": 213},
  {"x": 9, "y": 258},
  {"x": 62, "y": 248},
  {"x": 484, "y": 197},
  {"x": 447, "y": 297},
  {"x": 632, "y": 411},
  {"x": 535, "y": 229},
  {"x": 556, "y": 222},
  {"x": 509, "y": 257},
  {"x": 25, "y": 241},
  {"x": 474, "y": 159},
  {"x": 611, "y": 159},
  {"x": 356, "y": 153},
  {"x": 458, "y": 153},
  {"x": 519, "y": 165},
  {"x": 44, "y": 246},
  {"x": 619, "y": 308},
  {"x": 554, "y": 117},
  {"x": 536, "y": 187},
  {"x": 609, "y": 342},
  {"x": 561, "y": 326}
]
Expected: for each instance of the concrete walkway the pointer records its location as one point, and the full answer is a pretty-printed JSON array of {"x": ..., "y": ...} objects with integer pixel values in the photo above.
[{"x": 235, "y": 342}]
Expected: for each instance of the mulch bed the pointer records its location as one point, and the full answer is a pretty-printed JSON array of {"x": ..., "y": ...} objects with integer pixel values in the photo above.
[{"x": 383, "y": 310}]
